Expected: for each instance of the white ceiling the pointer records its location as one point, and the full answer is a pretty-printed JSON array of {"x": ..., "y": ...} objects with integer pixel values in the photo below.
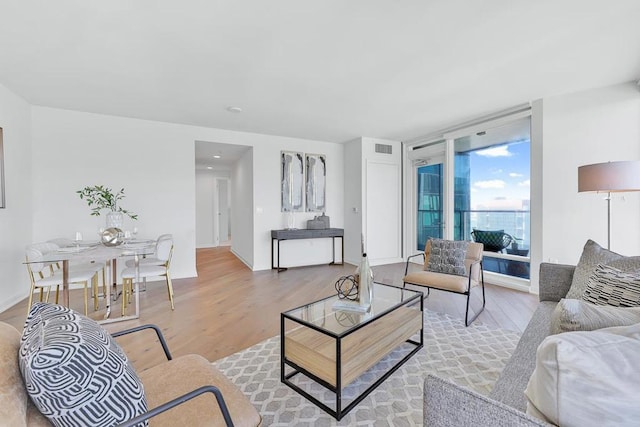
[{"x": 328, "y": 70}]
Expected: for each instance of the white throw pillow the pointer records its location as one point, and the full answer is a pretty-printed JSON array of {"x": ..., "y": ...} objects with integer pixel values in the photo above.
[{"x": 587, "y": 378}]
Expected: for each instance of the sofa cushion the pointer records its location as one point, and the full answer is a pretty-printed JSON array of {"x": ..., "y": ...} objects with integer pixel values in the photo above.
[
  {"x": 577, "y": 315},
  {"x": 447, "y": 256},
  {"x": 610, "y": 286},
  {"x": 582, "y": 377},
  {"x": 186, "y": 373},
  {"x": 592, "y": 255},
  {"x": 74, "y": 372}
]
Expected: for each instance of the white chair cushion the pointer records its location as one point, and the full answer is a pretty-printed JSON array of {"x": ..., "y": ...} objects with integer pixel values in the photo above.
[
  {"x": 144, "y": 261},
  {"x": 145, "y": 271}
]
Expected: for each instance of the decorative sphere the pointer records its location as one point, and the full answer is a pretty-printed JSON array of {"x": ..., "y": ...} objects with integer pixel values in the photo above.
[{"x": 112, "y": 237}]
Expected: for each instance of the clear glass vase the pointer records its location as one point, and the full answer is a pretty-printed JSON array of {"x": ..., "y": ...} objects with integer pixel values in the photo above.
[{"x": 114, "y": 219}]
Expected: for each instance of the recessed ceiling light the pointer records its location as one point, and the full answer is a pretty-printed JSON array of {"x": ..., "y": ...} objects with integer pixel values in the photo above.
[
  {"x": 235, "y": 109},
  {"x": 209, "y": 167},
  {"x": 216, "y": 156}
]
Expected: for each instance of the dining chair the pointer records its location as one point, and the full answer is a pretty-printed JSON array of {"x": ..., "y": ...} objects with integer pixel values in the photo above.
[
  {"x": 164, "y": 253},
  {"x": 40, "y": 280},
  {"x": 98, "y": 267},
  {"x": 152, "y": 260}
]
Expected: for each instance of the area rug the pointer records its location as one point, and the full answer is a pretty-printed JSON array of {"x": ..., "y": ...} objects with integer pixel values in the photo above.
[{"x": 470, "y": 356}]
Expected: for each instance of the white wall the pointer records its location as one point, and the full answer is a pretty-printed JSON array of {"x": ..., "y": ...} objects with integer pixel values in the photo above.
[
  {"x": 16, "y": 218},
  {"x": 593, "y": 126},
  {"x": 242, "y": 206},
  {"x": 154, "y": 161}
]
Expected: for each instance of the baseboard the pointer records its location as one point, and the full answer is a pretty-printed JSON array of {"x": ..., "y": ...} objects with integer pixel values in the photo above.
[
  {"x": 244, "y": 261},
  {"x": 507, "y": 281},
  {"x": 5, "y": 305}
]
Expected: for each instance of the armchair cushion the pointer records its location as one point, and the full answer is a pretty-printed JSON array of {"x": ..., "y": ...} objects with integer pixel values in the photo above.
[
  {"x": 74, "y": 372},
  {"x": 181, "y": 375},
  {"x": 446, "y": 256}
]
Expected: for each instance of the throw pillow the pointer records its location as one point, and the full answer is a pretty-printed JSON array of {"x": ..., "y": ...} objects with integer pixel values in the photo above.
[
  {"x": 592, "y": 255},
  {"x": 585, "y": 377},
  {"x": 447, "y": 256},
  {"x": 610, "y": 286},
  {"x": 577, "y": 315},
  {"x": 74, "y": 371}
]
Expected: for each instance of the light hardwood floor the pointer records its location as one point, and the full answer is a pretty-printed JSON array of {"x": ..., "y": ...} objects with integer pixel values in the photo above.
[{"x": 228, "y": 307}]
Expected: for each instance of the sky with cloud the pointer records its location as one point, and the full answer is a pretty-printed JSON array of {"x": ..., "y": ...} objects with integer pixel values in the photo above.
[{"x": 500, "y": 176}]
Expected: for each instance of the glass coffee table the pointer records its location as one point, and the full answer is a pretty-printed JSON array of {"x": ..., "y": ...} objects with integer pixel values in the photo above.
[{"x": 324, "y": 349}]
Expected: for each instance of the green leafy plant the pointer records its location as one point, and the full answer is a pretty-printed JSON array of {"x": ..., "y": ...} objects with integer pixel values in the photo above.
[{"x": 100, "y": 197}]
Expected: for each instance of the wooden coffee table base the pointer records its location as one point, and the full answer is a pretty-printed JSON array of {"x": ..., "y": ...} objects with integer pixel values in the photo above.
[{"x": 336, "y": 361}]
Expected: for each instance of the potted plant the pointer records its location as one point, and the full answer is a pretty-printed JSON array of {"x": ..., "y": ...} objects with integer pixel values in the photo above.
[{"x": 100, "y": 197}]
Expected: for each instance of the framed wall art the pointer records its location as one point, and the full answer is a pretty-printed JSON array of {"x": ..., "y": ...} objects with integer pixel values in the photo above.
[
  {"x": 292, "y": 178},
  {"x": 315, "y": 182}
]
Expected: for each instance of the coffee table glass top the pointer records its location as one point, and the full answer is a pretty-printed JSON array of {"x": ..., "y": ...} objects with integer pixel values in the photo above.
[{"x": 321, "y": 314}]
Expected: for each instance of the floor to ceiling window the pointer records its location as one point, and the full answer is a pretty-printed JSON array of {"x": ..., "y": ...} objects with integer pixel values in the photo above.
[
  {"x": 474, "y": 185},
  {"x": 492, "y": 182}
]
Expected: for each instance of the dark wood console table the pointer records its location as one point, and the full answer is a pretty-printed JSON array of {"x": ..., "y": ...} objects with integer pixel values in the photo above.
[{"x": 295, "y": 234}]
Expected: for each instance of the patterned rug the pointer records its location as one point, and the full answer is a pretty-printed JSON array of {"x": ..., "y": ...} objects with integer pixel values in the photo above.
[{"x": 471, "y": 356}]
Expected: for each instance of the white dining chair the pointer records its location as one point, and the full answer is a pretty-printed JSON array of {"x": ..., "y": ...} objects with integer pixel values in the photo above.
[
  {"x": 41, "y": 280},
  {"x": 164, "y": 251},
  {"x": 98, "y": 267},
  {"x": 153, "y": 259}
]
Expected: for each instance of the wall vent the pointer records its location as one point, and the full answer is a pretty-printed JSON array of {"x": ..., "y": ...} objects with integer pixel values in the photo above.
[{"x": 383, "y": 148}]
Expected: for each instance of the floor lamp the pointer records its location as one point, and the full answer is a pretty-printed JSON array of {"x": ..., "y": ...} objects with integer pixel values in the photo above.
[{"x": 610, "y": 177}]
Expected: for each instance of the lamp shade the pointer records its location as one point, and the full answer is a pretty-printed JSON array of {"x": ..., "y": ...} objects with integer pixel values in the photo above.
[{"x": 610, "y": 177}]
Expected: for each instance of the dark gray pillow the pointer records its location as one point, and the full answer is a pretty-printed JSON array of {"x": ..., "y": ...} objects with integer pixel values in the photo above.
[
  {"x": 610, "y": 286},
  {"x": 592, "y": 255},
  {"x": 74, "y": 371},
  {"x": 447, "y": 256}
]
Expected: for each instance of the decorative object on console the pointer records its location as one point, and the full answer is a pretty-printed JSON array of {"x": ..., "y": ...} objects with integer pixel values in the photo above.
[
  {"x": 315, "y": 180},
  {"x": 316, "y": 223},
  {"x": 100, "y": 197},
  {"x": 292, "y": 176},
  {"x": 610, "y": 177},
  {"x": 112, "y": 236}
]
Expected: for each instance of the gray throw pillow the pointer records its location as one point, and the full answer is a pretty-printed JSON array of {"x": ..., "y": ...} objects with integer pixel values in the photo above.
[
  {"x": 592, "y": 255},
  {"x": 74, "y": 371},
  {"x": 447, "y": 256},
  {"x": 577, "y": 315},
  {"x": 610, "y": 286}
]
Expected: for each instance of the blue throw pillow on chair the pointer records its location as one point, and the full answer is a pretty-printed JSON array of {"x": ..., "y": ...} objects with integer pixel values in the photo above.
[{"x": 447, "y": 256}]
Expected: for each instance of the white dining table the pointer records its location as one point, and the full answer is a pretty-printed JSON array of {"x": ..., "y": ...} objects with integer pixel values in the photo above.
[{"x": 87, "y": 252}]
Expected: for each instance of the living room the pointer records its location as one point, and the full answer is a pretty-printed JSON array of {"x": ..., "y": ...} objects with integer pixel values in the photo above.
[{"x": 580, "y": 83}]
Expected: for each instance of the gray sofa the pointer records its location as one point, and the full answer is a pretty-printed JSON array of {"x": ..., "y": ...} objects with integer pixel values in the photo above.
[{"x": 447, "y": 404}]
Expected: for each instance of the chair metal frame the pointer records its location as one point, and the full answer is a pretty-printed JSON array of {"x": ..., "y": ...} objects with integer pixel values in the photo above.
[
  {"x": 178, "y": 400},
  {"x": 467, "y": 321}
]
